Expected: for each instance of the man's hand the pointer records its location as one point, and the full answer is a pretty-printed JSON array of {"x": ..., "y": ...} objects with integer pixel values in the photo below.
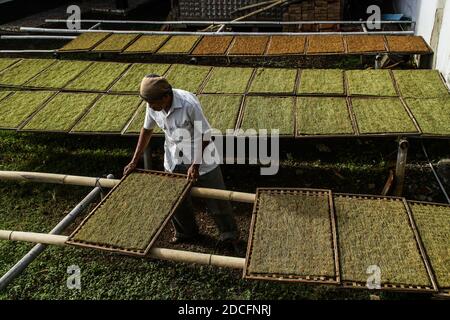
[
  {"x": 192, "y": 172},
  {"x": 129, "y": 168}
]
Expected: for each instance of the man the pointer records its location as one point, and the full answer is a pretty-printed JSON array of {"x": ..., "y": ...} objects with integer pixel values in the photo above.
[{"x": 175, "y": 110}]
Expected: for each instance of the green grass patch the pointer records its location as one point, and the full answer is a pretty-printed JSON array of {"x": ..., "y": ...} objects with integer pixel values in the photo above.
[
  {"x": 179, "y": 44},
  {"x": 98, "y": 77},
  {"x": 221, "y": 111},
  {"x": 115, "y": 42},
  {"x": 147, "y": 44},
  {"x": 16, "y": 108},
  {"x": 269, "y": 113},
  {"x": 432, "y": 115},
  {"x": 23, "y": 71},
  {"x": 187, "y": 77},
  {"x": 434, "y": 229},
  {"x": 382, "y": 115},
  {"x": 274, "y": 80},
  {"x": 6, "y": 62},
  {"x": 370, "y": 83},
  {"x": 420, "y": 84},
  {"x": 85, "y": 41},
  {"x": 292, "y": 236},
  {"x": 321, "y": 81},
  {"x": 58, "y": 74},
  {"x": 133, "y": 212},
  {"x": 377, "y": 232},
  {"x": 131, "y": 81},
  {"x": 323, "y": 116},
  {"x": 61, "y": 113},
  {"x": 224, "y": 80},
  {"x": 109, "y": 114}
]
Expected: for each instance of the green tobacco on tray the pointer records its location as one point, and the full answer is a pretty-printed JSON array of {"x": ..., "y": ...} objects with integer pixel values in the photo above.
[
  {"x": 109, "y": 114},
  {"x": 131, "y": 80},
  {"x": 221, "y": 111},
  {"x": 187, "y": 77},
  {"x": 420, "y": 84},
  {"x": 322, "y": 81},
  {"x": 273, "y": 80},
  {"x": 23, "y": 71},
  {"x": 61, "y": 112},
  {"x": 133, "y": 212},
  {"x": 370, "y": 83},
  {"x": 293, "y": 236},
  {"x": 224, "y": 80}
]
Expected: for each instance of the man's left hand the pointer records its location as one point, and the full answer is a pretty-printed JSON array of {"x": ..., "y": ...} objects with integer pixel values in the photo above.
[{"x": 192, "y": 172}]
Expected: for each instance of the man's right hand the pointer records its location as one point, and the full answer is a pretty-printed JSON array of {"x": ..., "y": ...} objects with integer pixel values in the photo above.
[{"x": 129, "y": 168}]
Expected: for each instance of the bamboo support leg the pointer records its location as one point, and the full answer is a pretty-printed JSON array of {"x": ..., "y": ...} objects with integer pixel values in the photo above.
[{"x": 403, "y": 146}]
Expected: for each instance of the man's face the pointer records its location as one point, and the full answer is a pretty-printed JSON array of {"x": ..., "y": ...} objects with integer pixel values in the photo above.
[{"x": 160, "y": 104}]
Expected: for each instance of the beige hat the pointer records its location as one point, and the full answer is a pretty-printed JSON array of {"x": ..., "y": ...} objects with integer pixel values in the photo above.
[{"x": 153, "y": 88}]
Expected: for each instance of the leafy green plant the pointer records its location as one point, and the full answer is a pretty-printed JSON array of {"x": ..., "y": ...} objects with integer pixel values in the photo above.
[
  {"x": 61, "y": 112},
  {"x": 58, "y": 74},
  {"x": 24, "y": 70},
  {"x": 224, "y": 80},
  {"x": 17, "y": 107},
  {"x": 382, "y": 115},
  {"x": 274, "y": 80},
  {"x": 109, "y": 114},
  {"x": 98, "y": 77},
  {"x": 132, "y": 78},
  {"x": 292, "y": 236},
  {"x": 323, "y": 116},
  {"x": 133, "y": 212},
  {"x": 269, "y": 113},
  {"x": 377, "y": 232},
  {"x": 322, "y": 81},
  {"x": 370, "y": 83}
]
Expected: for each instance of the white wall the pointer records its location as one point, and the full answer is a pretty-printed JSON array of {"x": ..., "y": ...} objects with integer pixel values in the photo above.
[{"x": 443, "y": 51}]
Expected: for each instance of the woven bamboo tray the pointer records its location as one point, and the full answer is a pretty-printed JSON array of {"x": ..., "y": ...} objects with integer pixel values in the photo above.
[
  {"x": 323, "y": 261},
  {"x": 138, "y": 203}
]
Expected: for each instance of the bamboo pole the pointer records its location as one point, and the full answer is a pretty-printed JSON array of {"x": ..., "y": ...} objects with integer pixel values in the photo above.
[
  {"x": 110, "y": 183},
  {"x": 156, "y": 253}
]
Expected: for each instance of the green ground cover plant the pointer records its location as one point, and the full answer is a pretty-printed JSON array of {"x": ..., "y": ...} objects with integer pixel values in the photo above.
[
  {"x": 377, "y": 232},
  {"x": 131, "y": 80},
  {"x": 134, "y": 212},
  {"x": 382, "y": 115},
  {"x": 434, "y": 228},
  {"x": 58, "y": 74},
  {"x": 269, "y": 113},
  {"x": 228, "y": 80},
  {"x": 98, "y": 77},
  {"x": 146, "y": 44},
  {"x": 293, "y": 236},
  {"x": 420, "y": 84},
  {"x": 16, "y": 108},
  {"x": 61, "y": 112},
  {"x": 321, "y": 81},
  {"x": 323, "y": 116},
  {"x": 370, "y": 83},
  {"x": 179, "y": 44},
  {"x": 432, "y": 115},
  {"x": 274, "y": 80},
  {"x": 187, "y": 77},
  {"x": 85, "y": 41},
  {"x": 115, "y": 43},
  {"x": 221, "y": 110},
  {"x": 23, "y": 71},
  {"x": 109, "y": 114}
]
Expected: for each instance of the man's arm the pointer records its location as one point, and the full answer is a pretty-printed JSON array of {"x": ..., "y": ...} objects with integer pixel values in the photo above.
[
  {"x": 144, "y": 139},
  {"x": 193, "y": 171}
]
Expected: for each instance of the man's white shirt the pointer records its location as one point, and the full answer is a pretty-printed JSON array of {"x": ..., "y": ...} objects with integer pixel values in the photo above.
[{"x": 184, "y": 112}]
